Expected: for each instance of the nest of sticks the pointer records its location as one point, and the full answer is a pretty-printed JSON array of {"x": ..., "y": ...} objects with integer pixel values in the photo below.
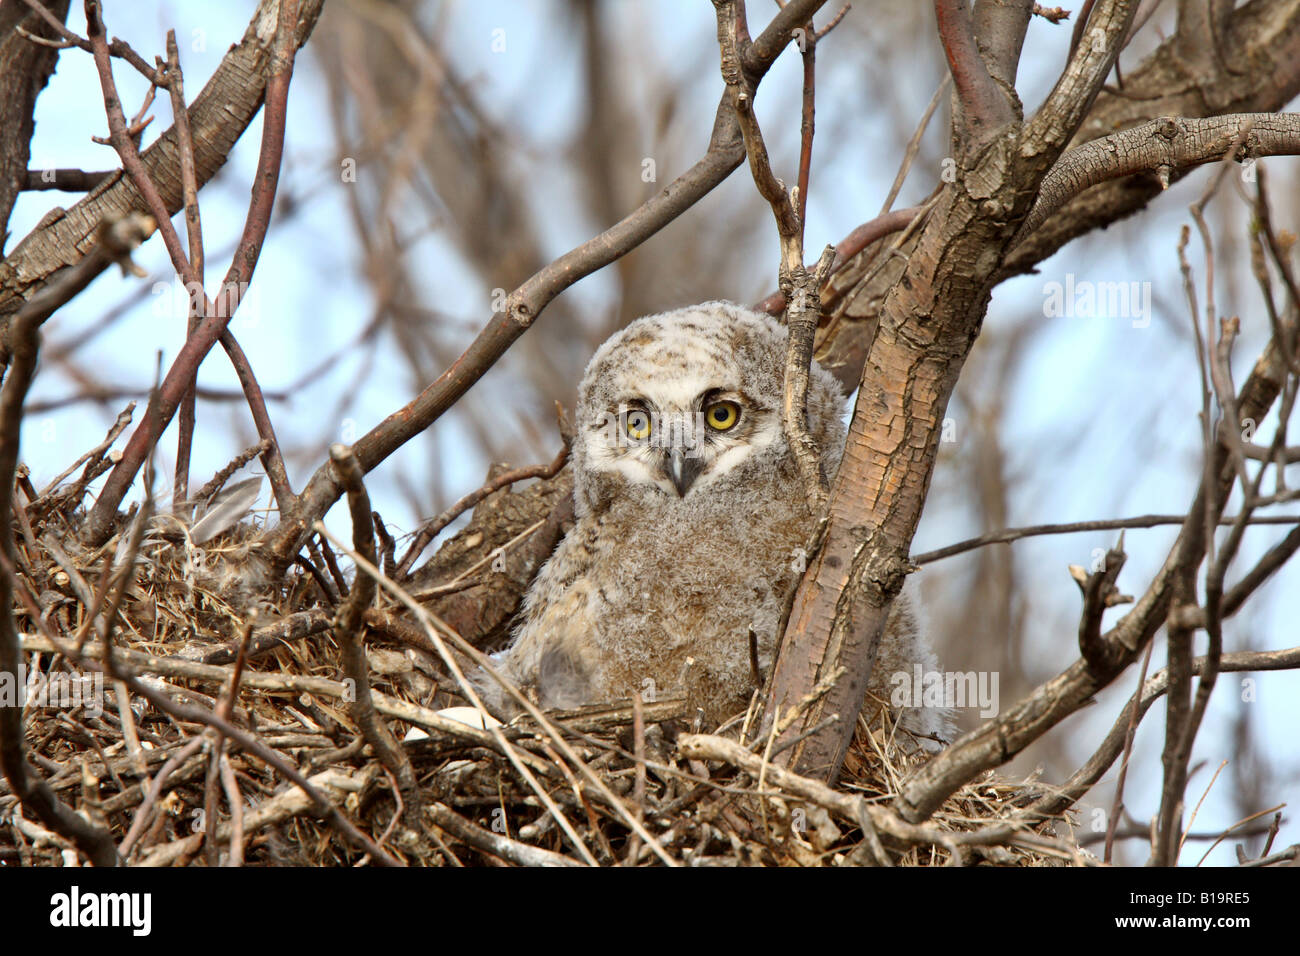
[{"x": 247, "y": 717}]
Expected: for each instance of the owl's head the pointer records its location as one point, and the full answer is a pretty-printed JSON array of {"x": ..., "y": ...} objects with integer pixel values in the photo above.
[{"x": 688, "y": 403}]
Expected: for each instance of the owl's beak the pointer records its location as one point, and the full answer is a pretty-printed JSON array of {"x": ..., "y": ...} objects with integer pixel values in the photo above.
[{"x": 681, "y": 469}]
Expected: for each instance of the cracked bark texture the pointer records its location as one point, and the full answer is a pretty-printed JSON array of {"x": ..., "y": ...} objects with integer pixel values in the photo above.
[
  {"x": 26, "y": 68},
  {"x": 929, "y": 320}
]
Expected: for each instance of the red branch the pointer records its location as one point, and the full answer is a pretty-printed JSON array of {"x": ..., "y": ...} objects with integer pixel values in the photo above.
[{"x": 99, "y": 522}]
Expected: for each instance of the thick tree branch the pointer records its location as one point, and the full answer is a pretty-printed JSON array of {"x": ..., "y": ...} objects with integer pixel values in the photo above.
[
  {"x": 1162, "y": 146},
  {"x": 984, "y": 105}
]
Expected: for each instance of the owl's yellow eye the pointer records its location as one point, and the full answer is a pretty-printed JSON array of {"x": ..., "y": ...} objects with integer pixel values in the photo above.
[
  {"x": 637, "y": 424},
  {"x": 722, "y": 416}
]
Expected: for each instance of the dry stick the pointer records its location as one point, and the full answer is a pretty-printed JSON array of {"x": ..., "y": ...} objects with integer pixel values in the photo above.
[
  {"x": 1104, "y": 524},
  {"x": 494, "y": 843},
  {"x": 436, "y": 629},
  {"x": 807, "y": 123},
  {"x": 116, "y": 241},
  {"x": 273, "y": 811},
  {"x": 801, "y": 289},
  {"x": 341, "y": 824},
  {"x": 99, "y": 522},
  {"x": 1280, "y": 259},
  {"x": 236, "y": 803},
  {"x": 1273, "y": 559},
  {"x": 194, "y": 233},
  {"x": 272, "y": 459},
  {"x": 389, "y": 706},
  {"x": 119, "y": 425},
  {"x": 225, "y": 707},
  {"x": 639, "y": 781},
  {"x": 1273, "y": 829},
  {"x": 1259, "y": 267},
  {"x": 851, "y": 807},
  {"x": 502, "y": 744},
  {"x": 1183, "y": 717},
  {"x": 1098, "y": 590},
  {"x": 218, "y": 481},
  {"x": 388, "y": 545},
  {"x": 347, "y": 633},
  {"x": 118, "y": 48},
  {"x": 143, "y": 812},
  {"x": 1279, "y": 454},
  {"x": 1240, "y": 823},
  {"x": 1191, "y": 821},
  {"x": 1117, "y": 803},
  {"x": 1143, "y": 832},
  {"x": 293, "y": 627},
  {"x": 431, "y": 529},
  {"x": 1087, "y": 776},
  {"x": 1002, "y": 738},
  {"x": 525, "y": 303},
  {"x": 914, "y": 144},
  {"x": 857, "y": 240},
  {"x": 465, "y": 578}
]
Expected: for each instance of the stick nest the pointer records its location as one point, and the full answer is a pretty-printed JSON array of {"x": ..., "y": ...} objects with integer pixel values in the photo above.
[{"x": 480, "y": 796}]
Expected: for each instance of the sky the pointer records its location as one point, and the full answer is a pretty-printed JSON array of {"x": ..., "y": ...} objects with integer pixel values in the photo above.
[{"x": 1102, "y": 414}]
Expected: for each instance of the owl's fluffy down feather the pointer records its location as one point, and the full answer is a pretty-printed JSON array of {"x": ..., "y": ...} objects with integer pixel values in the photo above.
[{"x": 657, "y": 593}]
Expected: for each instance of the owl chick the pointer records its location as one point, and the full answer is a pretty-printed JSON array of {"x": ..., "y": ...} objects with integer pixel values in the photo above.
[{"x": 690, "y": 513}]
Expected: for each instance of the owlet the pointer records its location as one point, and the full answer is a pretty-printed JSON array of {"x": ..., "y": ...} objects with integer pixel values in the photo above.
[{"x": 690, "y": 514}]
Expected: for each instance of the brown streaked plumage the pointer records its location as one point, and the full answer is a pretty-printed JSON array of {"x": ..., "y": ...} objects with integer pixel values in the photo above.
[{"x": 690, "y": 512}]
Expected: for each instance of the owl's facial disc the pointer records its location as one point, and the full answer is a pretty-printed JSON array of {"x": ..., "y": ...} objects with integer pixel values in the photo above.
[{"x": 678, "y": 441}]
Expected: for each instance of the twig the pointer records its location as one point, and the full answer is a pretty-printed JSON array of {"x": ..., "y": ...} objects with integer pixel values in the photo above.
[
  {"x": 218, "y": 481},
  {"x": 1117, "y": 803},
  {"x": 99, "y": 521},
  {"x": 347, "y": 627},
  {"x": 1083, "y": 779},
  {"x": 437, "y": 629},
  {"x": 119, "y": 426},
  {"x": 1104, "y": 524},
  {"x": 801, "y": 289},
  {"x": 143, "y": 812},
  {"x": 194, "y": 233},
  {"x": 431, "y": 529}
]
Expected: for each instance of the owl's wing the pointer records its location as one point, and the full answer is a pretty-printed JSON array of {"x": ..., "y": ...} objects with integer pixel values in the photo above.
[{"x": 551, "y": 656}]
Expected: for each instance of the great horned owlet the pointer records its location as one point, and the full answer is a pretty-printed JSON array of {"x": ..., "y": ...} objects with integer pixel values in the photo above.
[{"x": 690, "y": 513}]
